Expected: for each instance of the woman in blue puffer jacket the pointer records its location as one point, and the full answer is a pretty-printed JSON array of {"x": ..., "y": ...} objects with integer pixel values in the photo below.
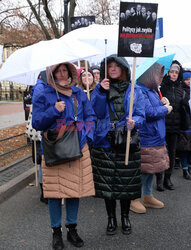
[
  {"x": 154, "y": 156},
  {"x": 73, "y": 179}
]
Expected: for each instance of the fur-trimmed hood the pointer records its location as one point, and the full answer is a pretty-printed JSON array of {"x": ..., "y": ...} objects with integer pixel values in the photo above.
[{"x": 72, "y": 72}]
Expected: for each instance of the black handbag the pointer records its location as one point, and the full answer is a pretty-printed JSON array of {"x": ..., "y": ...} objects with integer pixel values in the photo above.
[
  {"x": 117, "y": 138},
  {"x": 61, "y": 146}
]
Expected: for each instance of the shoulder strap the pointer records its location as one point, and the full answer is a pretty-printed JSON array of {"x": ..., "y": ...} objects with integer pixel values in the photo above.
[
  {"x": 75, "y": 107},
  {"x": 111, "y": 113}
]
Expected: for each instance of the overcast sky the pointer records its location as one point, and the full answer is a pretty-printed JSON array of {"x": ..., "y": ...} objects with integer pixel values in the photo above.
[{"x": 176, "y": 20}]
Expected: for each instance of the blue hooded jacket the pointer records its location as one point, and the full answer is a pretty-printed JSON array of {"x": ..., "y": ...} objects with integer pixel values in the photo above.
[
  {"x": 100, "y": 105},
  {"x": 153, "y": 131},
  {"x": 45, "y": 116}
]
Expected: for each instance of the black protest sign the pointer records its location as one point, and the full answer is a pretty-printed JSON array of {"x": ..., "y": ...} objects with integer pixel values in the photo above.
[
  {"x": 137, "y": 24},
  {"x": 81, "y": 21}
]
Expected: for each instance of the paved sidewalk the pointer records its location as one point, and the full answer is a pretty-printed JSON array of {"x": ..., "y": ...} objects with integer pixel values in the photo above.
[
  {"x": 11, "y": 108},
  {"x": 11, "y": 115},
  {"x": 24, "y": 223},
  {"x": 10, "y": 120}
]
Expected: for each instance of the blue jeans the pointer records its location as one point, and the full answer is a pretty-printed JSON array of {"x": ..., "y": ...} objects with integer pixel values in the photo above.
[
  {"x": 185, "y": 159},
  {"x": 147, "y": 183},
  {"x": 55, "y": 211},
  {"x": 40, "y": 174}
]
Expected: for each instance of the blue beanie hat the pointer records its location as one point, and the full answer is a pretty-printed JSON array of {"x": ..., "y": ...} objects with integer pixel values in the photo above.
[{"x": 186, "y": 75}]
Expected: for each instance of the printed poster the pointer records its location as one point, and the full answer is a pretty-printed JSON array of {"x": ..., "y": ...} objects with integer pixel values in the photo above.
[
  {"x": 81, "y": 21},
  {"x": 137, "y": 25}
]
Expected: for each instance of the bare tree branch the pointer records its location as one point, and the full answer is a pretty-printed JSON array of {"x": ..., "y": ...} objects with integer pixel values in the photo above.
[
  {"x": 50, "y": 18},
  {"x": 71, "y": 12},
  {"x": 48, "y": 37}
]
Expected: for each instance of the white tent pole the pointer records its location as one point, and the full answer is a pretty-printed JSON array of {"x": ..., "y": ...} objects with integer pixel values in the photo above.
[{"x": 105, "y": 58}]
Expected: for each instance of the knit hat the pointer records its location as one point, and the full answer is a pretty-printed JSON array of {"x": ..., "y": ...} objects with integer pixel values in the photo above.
[
  {"x": 186, "y": 75},
  {"x": 79, "y": 72},
  {"x": 95, "y": 68},
  {"x": 82, "y": 70},
  {"x": 89, "y": 70},
  {"x": 80, "y": 83},
  {"x": 175, "y": 66}
]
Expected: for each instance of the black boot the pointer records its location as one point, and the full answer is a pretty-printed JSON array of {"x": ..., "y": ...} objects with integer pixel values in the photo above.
[
  {"x": 186, "y": 174},
  {"x": 57, "y": 242},
  {"x": 159, "y": 178},
  {"x": 167, "y": 182},
  {"x": 125, "y": 222},
  {"x": 42, "y": 199},
  {"x": 73, "y": 237},
  {"x": 177, "y": 164},
  {"x": 112, "y": 221},
  {"x": 111, "y": 226}
]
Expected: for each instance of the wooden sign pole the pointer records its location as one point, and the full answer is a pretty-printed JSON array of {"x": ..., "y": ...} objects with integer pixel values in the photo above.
[
  {"x": 87, "y": 81},
  {"x": 130, "y": 111},
  {"x": 36, "y": 166}
]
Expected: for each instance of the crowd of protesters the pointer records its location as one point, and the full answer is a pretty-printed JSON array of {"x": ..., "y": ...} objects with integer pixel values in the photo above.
[{"x": 157, "y": 128}]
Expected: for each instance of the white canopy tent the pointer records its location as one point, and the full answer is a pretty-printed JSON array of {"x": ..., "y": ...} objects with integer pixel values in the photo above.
[{"x": 183, "y": 52}]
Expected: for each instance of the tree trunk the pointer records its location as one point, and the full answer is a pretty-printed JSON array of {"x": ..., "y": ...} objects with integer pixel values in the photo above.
[
  {"x": 50, "y": 18},
  {"x": 45, "y": 31},
  {"x": 71, "y": 12}
]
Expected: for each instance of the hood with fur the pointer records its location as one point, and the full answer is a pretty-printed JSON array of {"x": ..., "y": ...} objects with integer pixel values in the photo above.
[{"x": 72, "y": 72}]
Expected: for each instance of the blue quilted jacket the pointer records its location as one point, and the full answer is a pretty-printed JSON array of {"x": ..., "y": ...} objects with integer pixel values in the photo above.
[
  {"x": 153, "y": 131},
  {"x": 45, "y": 116}
]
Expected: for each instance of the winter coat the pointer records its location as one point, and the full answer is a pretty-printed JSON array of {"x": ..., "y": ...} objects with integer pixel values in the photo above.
[
  {"x": 112, "y": 178},
  {"x": 45, "y": 117},
  {"x": 174, "y": 93},
  {"x": 73, "y": 180},
  {"x": 153, "y": 131},
  {"x": 154, "y": 157},
  {"x": 184, "y": 140}
]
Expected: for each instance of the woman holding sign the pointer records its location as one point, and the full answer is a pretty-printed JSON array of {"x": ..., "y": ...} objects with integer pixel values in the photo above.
[{"x": 113, "y": 179}]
